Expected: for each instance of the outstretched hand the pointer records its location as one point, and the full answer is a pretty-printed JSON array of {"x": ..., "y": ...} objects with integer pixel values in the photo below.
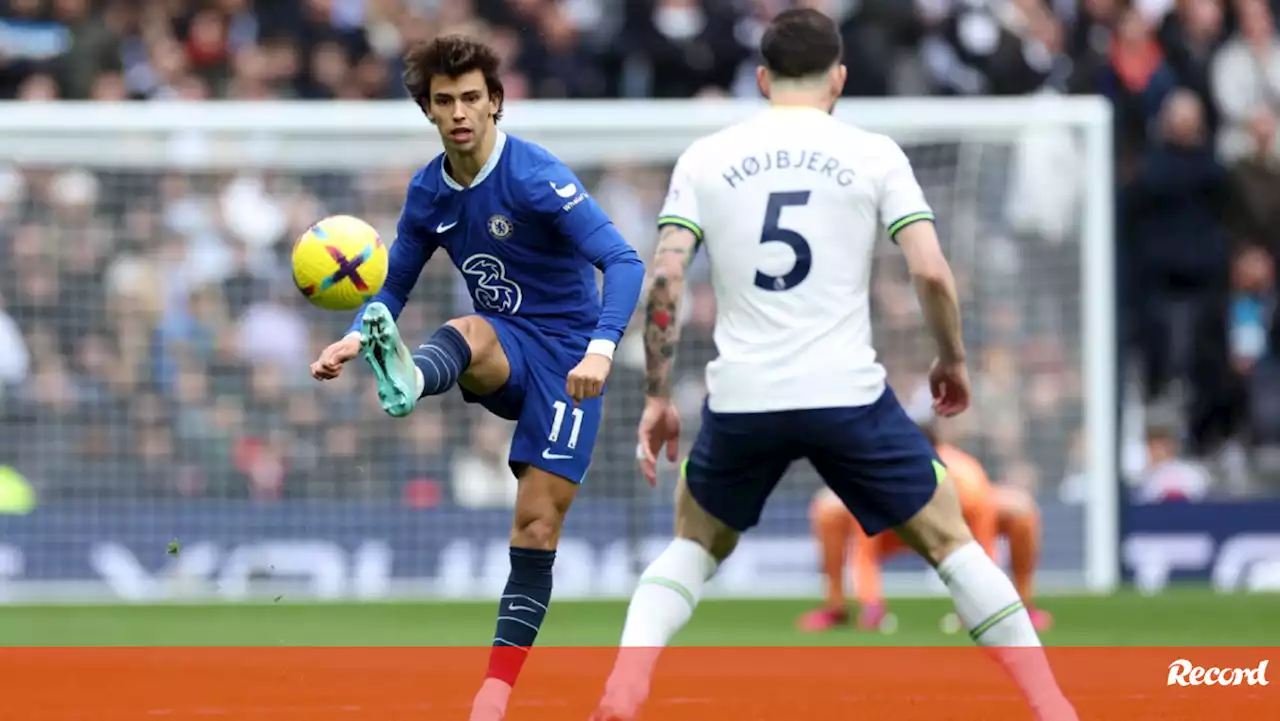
[{"x": 329, "y": 365}]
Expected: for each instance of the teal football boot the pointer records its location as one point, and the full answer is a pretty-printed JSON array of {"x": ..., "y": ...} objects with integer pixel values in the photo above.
[{"x": 391, "y": 360}]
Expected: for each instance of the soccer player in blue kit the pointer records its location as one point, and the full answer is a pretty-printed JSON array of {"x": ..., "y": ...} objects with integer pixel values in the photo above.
[{"x": 528, "y": 239}]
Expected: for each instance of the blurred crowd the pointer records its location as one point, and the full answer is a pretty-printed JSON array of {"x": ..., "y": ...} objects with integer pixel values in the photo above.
[{"x": 152, "y": 344}]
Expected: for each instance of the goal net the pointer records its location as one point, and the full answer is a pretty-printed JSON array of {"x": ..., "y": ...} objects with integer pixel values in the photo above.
[{"x": 162, "y": 438}]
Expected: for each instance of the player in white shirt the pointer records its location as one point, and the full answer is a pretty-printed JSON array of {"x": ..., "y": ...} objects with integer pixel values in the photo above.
[
  {"x": 789, "y": 204},
  {"x": 792, "y": 202}
]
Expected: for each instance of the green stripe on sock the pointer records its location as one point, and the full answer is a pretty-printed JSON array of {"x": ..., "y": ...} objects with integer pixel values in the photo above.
[
  {"x": 997, "y": 617},
  {"x": 676, "y": 586}
]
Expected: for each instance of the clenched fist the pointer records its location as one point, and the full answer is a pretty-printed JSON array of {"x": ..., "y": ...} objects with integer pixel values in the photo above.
[
  {"x": 586, "y": 380},
  {"x": 949, "y": 383},
  {"x": 329, "y": 364}
]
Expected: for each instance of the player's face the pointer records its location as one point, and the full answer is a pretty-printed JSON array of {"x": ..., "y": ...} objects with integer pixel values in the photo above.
[{"x": 462, "y": 109}]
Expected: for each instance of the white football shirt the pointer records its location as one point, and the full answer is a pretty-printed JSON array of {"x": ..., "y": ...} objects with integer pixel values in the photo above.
[{"x": 789, "y": 205}]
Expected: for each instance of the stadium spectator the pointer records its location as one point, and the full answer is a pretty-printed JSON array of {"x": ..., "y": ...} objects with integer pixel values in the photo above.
[
  {"x": 421, "y": 455},
  {"x": 1136, "y": 80},
  {"x": 481, "y": 476},
  {"x": 1177, "y": 239},
  {"x": 1251, "y": 327},
  {"x": 1088, "y": 41},
  {"x": 1190, "y": 35},
  {"x": 688, "y": 45},
  {"x": 989, "y": 48},
  {"x": 1167, "y": 477},
  {"x": 1246, "y": 79},
  {"x": 1254, "y": 199}
]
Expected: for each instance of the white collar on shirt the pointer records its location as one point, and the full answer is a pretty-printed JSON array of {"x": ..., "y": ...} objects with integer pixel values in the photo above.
[{"x": 498, "y": 145}]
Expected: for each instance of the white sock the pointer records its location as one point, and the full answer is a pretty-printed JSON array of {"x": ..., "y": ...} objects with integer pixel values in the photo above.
[
  {"x": 662, "y": 604},
  {"x": 989, "y": 606},
  {"x": 422, "y": 382},
  {"x": 669, "y": 590}
]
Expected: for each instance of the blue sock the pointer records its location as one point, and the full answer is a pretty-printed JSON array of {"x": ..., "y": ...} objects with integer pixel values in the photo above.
[
  {"x": 442, "y": 359},
  {"x": 520, "y": 612}
]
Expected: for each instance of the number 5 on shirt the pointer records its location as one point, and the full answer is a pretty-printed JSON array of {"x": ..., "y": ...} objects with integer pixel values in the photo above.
[{"x": 774, "y": 233}]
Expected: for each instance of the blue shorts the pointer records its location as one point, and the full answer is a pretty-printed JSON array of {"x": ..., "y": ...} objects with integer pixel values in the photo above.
[
  {"x": 551, "y": 433},
  {"x": 873, "y": 457}
]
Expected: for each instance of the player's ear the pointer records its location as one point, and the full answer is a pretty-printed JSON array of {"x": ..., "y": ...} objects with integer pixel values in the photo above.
[
  {"x": 839, "y": 75},
  {"x": 762, "y": 79},
  {"x": 495, "y": 102}
]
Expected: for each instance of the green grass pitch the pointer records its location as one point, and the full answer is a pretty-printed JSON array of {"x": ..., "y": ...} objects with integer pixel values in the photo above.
[{"x": 1181, "y": 617}]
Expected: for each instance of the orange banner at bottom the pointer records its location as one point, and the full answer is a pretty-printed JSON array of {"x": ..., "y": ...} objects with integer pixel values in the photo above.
[{"x": 690, "y": 684}]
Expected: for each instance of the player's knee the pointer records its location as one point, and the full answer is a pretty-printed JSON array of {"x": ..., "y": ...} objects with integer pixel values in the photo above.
[
  {"x": 695, "y": 524},
  {"x": 718, "y": 539},
  {"x": 942, "y": 540},
  {"x": 720, "y": 544},
  {"x": 489, "y": 367},
  {"x": 537, "y": 528},
  {"x": 486, "y": 350},
  {"x": 477, "y": 331}
]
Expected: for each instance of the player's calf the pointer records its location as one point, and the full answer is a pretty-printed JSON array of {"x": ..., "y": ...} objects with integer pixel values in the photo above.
[
  {"x": 985, "y": 599},
  {"x": 542, "y": 502},
  {"x": 671, "y": 587},
  {"x": 664, "y": 601}
]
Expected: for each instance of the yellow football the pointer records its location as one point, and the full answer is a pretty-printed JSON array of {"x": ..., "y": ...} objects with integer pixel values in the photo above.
[{"x": 340, "y": 263}]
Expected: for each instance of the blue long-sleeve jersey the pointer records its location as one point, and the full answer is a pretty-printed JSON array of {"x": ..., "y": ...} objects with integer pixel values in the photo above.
[{"x": 527, "y": 238}]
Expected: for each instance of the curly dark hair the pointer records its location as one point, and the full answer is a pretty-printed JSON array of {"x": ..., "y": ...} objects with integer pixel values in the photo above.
[{"x": 450, "y": 56}]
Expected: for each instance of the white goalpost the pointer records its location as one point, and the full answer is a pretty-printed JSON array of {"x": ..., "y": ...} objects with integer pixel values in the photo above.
[{"x": 156, "y": 235}]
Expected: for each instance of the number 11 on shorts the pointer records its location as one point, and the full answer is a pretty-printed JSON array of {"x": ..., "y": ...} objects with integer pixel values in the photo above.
[{"x": 561, "y": 407}]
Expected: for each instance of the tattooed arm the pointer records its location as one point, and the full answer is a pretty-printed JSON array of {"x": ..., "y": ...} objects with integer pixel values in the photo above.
[{"x": 676, "y": 246}]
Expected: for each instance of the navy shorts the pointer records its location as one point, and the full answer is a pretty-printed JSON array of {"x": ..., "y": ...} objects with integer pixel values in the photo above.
[
  {"x": 873, "y": 457},
  {"x": 551, "y": 432}
]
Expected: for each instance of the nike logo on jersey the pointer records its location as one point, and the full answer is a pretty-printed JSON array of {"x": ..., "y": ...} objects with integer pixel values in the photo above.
[
  {"x": 443, "y": 227},
  {"x": 514, "y": 607},
  {"x": 547, "y": 454},
  {"x": 567, "y": 191}
]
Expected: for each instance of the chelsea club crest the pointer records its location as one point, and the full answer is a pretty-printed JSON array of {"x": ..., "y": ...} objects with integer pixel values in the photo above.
[{"x": 500, "y": 227}]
